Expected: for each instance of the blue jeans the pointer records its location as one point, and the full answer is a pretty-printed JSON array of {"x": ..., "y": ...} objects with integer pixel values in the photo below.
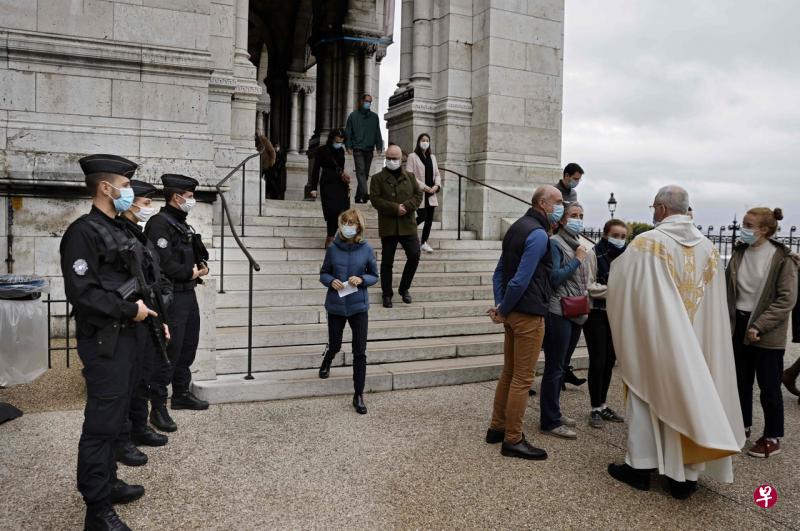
[{"x": 560, "y": 338}]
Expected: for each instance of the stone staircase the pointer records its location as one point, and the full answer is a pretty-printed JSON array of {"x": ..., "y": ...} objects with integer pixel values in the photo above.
[{"x": 443, "y": 338}]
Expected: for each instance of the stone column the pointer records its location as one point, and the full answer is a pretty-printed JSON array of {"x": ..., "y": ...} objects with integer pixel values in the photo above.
[
  {"x": 241, "y": 56},
  {"x": 406, "y": 44},
  {"x": 294, "y": 122},
  {"x": 348, "y": 102},
  {"x": 308, "y": 116},
  {"x": 422, "y": 37}
]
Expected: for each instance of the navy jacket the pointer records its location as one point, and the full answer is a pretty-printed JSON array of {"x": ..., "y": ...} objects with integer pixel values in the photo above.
[{"x": 344, "y": 260}]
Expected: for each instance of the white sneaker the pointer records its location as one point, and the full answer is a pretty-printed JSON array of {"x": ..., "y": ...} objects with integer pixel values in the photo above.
[
  {"x": 427, "y": 248},
  {"x": 562, "y": 432}
]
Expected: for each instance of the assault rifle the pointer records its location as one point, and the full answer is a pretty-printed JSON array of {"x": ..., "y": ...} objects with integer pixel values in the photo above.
[{"x": 138, "y": 285}]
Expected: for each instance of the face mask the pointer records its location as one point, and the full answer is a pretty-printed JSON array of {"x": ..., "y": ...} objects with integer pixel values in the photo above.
[
  {"x": 574, "y": 226},
  {"x": 574, "y": 184},
  {"x": 125, "y": 199},
  {"x": 556, "y": 215},
  {"x": 393, "y": 164},
  {"x": 424, "y": 145},
  {"x": 349, "y": 231},
  {"x": 619, "y": 244},
  {"x": 366, "y": 105},
  {"x": 748, "y": 236},
  {"x": 338, "y": 145},
  {"x": 188, "y": 204},
  {"x": 144, "y": 213}
]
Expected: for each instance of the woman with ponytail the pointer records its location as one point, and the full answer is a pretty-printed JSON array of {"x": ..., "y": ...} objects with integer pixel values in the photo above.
[{"x": 762, "y": 291}]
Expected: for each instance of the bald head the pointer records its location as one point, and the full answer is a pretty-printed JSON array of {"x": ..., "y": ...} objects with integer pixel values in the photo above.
[
  {"x": 394, "y": 152},
  {"x": 546, "y": 194},
  {"x": 670, "y": 200}
]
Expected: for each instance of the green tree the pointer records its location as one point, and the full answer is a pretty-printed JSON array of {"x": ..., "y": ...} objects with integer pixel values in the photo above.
[{"x": 635, "y": 228}]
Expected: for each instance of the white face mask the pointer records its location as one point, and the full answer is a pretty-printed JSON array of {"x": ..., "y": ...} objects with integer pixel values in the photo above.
[
  {"x": 144, "y": 213},
  {"x": 424, "y": 145},
  {"x": 392, "y": 164},
  {"x": 349, "y": 231},
  {"x": 188, "y": 204}
]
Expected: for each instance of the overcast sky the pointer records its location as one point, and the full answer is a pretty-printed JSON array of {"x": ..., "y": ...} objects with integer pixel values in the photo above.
[{"x": 701, "y": 94}]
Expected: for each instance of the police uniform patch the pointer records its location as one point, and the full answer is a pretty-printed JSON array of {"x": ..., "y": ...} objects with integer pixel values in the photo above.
[
  {"x": 162, "y": 242},
  {"x": 80, "y": 267}
]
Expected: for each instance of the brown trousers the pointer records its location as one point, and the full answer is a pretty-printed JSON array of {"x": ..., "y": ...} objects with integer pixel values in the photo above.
[{"x": 523, "y": 342}]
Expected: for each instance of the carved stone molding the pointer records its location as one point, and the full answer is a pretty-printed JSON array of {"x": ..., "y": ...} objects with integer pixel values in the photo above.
[{"x": 221, "y": 84}]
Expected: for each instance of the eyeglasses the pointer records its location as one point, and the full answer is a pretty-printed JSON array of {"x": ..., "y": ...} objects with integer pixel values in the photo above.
[{"x": 654, "y": 207}]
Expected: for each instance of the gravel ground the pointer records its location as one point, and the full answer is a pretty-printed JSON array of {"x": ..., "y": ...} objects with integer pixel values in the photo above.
[{"x": 416, "y": 461}]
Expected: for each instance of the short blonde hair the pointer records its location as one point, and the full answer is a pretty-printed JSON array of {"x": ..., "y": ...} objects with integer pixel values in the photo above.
[{"x": 353, "y": 215}]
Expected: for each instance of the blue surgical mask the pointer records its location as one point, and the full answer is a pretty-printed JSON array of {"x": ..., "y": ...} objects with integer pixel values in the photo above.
[
  {"x": 619, "y": 244},
  {"x": 125, "y": 199},
  {"x": 338, "y": 145},
  {"x": 556, "y": 215},
  {"x": 366, "y": 105},
  {"x": 574, "y": 225},
  {"x": 748, "y": 236},
  {"x": 349, "y": 231},
  {"x": 574, "y": 184}
]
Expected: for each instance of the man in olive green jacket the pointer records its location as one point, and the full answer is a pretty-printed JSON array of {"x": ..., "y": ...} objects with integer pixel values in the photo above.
[{"x": 395, "y": 194}]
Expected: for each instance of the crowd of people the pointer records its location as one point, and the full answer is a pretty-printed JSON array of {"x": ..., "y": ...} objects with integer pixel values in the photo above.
[{"x": 690, "y": 338}]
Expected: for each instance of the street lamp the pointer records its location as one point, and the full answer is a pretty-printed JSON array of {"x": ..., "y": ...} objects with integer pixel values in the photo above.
[{"x": 612, "y": 205}]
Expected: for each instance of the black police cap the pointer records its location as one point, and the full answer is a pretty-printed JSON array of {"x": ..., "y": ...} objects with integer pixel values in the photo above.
[
  {"x": 181, "y": 182},
  {"x": 108, "y": 164},
  {"x": 143, "y": 189}
]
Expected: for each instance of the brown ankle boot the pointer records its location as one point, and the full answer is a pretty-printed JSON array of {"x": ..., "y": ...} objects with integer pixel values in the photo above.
[{"x": 790, "y": 378}]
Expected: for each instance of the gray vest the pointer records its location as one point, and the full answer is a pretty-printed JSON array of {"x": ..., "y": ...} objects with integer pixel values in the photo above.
[{"x": 575, "y": 285}]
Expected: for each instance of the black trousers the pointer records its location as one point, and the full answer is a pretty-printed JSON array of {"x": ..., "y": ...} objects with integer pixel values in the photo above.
[
  {"x": 150, "y": 360},
  {"x": 765, "y": 365},
  {"x": 358, "y": 325},
  {"x": 363, "y": 162},
  {"x": 425, "y": 215},
  {"x": 108, "y": 392},
  {"x": 410, "y": 245},
  {"x": 602, "y": 356},
  {"x": 184, "y": 329}
]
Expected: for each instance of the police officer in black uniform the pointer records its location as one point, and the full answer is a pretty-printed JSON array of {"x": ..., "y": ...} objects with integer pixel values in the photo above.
[
  {"x": 182, "y": 261},
  {"x": 137, "y": 432},
  {"x": 109, "y": 333}
]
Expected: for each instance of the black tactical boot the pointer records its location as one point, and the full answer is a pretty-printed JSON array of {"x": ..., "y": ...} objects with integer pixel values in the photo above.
[
  {"x": 121, "y": 492},
  {"x": 104, "y": 519},
  {"x": 159, "y": 417},
  {"x": 188, "y": 401},
  {"x": 129, "y": 455},
  {"x": 147, "y": 437}
]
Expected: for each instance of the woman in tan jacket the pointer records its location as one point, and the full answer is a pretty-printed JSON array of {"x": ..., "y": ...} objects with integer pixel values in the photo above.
[
  {"x": 762, "y": 290},
  {"x": 422, "y": 164}
]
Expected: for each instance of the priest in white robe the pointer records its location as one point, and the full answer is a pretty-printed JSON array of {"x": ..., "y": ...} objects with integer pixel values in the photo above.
[{"x": 669, "y": 320}]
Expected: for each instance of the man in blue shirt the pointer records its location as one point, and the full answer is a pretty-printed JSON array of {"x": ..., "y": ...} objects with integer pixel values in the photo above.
[{"x": 522, "y": 295}]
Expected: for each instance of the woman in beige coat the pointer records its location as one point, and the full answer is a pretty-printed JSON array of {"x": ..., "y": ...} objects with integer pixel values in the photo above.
[{"x": 422, "y": 164}]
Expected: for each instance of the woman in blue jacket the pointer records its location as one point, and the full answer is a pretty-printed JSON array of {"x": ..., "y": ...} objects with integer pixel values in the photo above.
[{"x": 349, "y": 263}]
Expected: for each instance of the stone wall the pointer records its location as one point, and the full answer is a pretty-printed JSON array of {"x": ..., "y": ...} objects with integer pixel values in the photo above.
[{"x": 487, "y": 81}]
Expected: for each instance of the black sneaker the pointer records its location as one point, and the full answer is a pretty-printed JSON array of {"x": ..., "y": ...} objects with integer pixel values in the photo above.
[
  {"x": 494, "y": 436},
  {"x": 129, "y": 455},
  {"x": 595, "y": 419},
  {"x": 406, "y": 296},
  {"x": 159, "y": 417},
  {"x": 121, "y": 492},
  {"x": 610, "y": 415},
  {"x": 148, "y": 437},
  {"x": 188, "y": 401},
  {"x": 638, "y": 479},
  {"x": 524, "y": 450}
]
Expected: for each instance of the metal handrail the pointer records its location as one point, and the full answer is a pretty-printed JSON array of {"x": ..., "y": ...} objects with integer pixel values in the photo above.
[
  {"x": 490, "y": 187},
  {"x": 253, "y": 265}
]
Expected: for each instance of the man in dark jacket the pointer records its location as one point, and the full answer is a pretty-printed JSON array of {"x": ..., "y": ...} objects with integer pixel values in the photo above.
[
  {"x": 363, "y": 136},
  {"x": 396, "y": 196},
  {"x": 573, "y": 174},
  {"x": 522, "y": 295}
]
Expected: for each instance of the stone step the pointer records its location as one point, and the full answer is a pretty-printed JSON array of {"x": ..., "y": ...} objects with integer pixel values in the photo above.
[
  {"x": 311, "y": 267},
  {"x": 300, "y": 222},
  {"x": 264, "y": 282},
  {"x": 273, "y": 242},
  {"x": 316, "y": 313},
  {"x": 309, "y": 297},
  {"x": 234, "y": 253},
  {"x": 311, "y": 334},
  {"x": 380, "y": 377},
  {"x": 319, "y": 232}
]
